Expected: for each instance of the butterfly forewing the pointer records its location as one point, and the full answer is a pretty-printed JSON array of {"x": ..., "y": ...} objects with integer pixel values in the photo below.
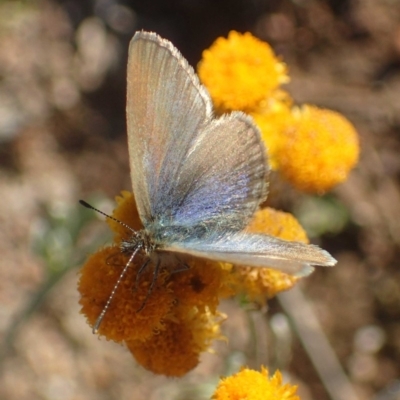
[{"x": 166, "y": 108}]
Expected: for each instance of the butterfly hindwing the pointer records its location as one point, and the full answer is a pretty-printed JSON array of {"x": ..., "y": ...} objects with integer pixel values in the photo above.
[{"x": 257, "y": 250}]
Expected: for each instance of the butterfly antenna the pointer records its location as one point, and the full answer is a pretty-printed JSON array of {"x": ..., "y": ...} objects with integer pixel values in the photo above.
[
  {"x": 87, "y": 205},
  {"x": 110, "y": 298}
]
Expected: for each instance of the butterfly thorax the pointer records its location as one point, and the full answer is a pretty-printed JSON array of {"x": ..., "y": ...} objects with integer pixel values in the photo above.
[
  {"x": 156, "y": 236},
  {"x": 140, "y": 239}
]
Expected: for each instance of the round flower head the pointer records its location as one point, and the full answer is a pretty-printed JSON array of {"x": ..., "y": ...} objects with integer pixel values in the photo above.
[
  {"x": 253, "y": 385},
  {"x": 201, "y": 285},
  {"x": 170, "y": 353},
  {"x": 122, "y": 320},
  {"x": 176, "y": 350},
  {"x": 319, "y": 149},
  {"x": 273, "y": 118},
  {"x": 240, "y": 71},
  {"x": 259, "y": 284}
]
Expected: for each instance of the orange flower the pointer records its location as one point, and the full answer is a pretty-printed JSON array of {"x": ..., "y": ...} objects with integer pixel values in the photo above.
[
  {"x": 201, "y": 284},
  {"x": 171, "y": 353},
  {"x": 176, "y": 350},
  {"x": 122, "y": 321},
  {"x": 260, "y": 284}
]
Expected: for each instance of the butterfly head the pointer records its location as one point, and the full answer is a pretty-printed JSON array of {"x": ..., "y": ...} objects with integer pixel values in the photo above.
[{"x": 140, "y": 240}]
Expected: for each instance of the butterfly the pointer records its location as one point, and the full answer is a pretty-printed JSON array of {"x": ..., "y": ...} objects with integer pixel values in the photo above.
[{"x": 197, "y": 179}]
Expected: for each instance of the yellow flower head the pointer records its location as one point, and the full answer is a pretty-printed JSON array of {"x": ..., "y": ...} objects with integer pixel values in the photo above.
[
  {"x": 273, "y": 118},
  {"x": 176, "y": 350},
  {"x": 277, "y": 223},
  {"x": 240, "y": 71},
  {"x": 201, "y": 285},
  {"x": 170, "y": 353},
  {"x": 262, "y": 283},
  {"x": 253, "y": 385},
  {"x": 122, "y": 321},
  {"x": 319, "y": 149}
]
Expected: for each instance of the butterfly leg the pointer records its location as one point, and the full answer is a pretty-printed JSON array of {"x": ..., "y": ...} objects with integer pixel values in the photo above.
[
  {"x": 139, "y": 273},
  {"x": 151, "y": 287},
  {"x": 182, "y": 264}
]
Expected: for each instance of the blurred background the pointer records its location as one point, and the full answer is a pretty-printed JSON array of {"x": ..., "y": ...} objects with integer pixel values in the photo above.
[{"x": 63, "y": 137}]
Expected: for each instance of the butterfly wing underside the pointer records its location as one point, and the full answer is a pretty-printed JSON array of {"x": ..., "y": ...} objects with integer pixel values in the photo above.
[
  {"x": 257, "y": 250},
  {"x": 161, "y": 93},
  {"x": 187, "y": 167}
]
